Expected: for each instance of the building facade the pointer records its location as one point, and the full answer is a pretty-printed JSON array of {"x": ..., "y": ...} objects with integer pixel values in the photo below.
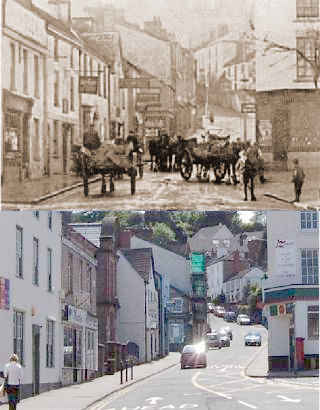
[
  {"x": 80, "y": 322},
  {"x": 291, "y": 292},
  {"x": 30, "y": 291}
]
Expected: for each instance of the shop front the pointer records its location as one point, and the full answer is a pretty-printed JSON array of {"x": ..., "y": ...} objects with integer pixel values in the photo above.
[
  {"x": 17, "y": 113},
  {"x": 80, "y": 339}
]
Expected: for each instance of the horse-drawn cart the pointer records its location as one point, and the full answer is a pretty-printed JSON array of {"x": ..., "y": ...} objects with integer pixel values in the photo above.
[
  {"x": 213, "y": 154},
  {"x": 109, "y": 161}
]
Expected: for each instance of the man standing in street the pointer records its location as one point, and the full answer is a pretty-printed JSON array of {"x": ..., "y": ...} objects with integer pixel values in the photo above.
[
  {"x": 297, "y": 179},
  {"x": 13, "y": 377}
]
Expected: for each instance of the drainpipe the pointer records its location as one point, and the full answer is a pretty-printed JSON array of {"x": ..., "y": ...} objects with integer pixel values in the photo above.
[{"x": 109, "y": 101}]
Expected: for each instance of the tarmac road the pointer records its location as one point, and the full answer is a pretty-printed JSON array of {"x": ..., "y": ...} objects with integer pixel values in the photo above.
[{"x": 222, "y": 385}]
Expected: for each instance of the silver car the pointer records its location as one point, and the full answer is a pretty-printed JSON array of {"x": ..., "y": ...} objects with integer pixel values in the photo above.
[
  {"x": 224, "y": 338},
  {"x": 243, "y": 320},
  {"x": 252, "y": 339}
]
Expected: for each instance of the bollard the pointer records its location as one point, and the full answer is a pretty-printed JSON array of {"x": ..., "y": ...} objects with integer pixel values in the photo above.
[
  {"x": 131, "y": 369},
  {"x": 121, "y": 370},
  {"x": 126, "y": 370}
]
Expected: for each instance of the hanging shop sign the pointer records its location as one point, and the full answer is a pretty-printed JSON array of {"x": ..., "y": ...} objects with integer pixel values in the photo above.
[
  {"x": 4, "y": 293},
  {"x": 88, "y": 85}
]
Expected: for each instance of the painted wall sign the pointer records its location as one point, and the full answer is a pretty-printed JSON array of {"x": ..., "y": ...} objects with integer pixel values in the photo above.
[{"x": 285, "y": 252}]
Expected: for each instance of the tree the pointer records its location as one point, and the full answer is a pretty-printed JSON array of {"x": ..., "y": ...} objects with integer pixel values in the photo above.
[{"x": 163, "y": 234}]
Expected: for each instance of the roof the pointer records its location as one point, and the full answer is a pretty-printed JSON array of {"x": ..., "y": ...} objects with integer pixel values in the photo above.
[
  {"x": 202, "y": 240},
  {"x": 140, "y": 259},
  {"x": 91, "y": 231}
]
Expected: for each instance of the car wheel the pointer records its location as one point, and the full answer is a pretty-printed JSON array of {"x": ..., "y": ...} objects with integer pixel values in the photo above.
[{"x": 219, "y": 347}]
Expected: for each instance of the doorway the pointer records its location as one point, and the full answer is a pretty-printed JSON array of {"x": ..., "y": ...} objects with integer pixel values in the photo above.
[{"x": 36, "y": 359}]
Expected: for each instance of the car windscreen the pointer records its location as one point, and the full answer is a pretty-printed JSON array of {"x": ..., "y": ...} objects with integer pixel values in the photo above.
[{"x": 188, "y": 349}]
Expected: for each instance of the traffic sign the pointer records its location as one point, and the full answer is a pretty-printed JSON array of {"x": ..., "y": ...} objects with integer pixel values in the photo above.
[{"x": 198, "y": 262}]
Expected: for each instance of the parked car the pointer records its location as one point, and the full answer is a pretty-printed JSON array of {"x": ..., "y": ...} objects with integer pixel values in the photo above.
[
  {"x": 230, "y": 316},
  {"x": 213, "y": 341},
  {"x": 194, "y": 356},
  {"x": 243, "y": 320},
  {"x": 252, "y": 338},
  {"x": 220, "y": 311},
  {"x": 210, "y": 308},
  {"x": 228, "y": 331},
  {"x": 224, "y": 338}
]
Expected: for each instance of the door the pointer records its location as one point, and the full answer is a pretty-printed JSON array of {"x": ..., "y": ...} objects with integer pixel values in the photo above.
[
  {"x": 291, "y": 348},
  {"x": 36, "y": 359},
  {"x": 280, "y": 134},
  {"x": 65, "y": 135}
]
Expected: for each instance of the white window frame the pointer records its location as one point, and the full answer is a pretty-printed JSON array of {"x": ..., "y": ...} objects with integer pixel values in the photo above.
[
  {"x": 309, "y": 218},
  {"x": 18, "y": 334},
  {"x": 311, "y": 277},
  {"x": 50, "y": 343},
  {"x": 313, "y": 310},
  {"x": 19, "y": 251}
]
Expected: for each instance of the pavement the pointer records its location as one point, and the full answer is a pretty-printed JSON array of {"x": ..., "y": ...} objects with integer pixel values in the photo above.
[
  {"x": 278, "y": 187},
  {"x": 81, "y": 396},
  {"x": 258, "y": 367}
]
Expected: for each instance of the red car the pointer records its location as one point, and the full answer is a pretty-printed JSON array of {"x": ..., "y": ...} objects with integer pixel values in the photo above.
[{"x": 194, "y": 356}]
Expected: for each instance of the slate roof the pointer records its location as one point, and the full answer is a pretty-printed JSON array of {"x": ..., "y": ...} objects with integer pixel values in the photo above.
[
  {"x": 140, "y": 259},
  {"x": 91, "y": 231},
  {"x": 202, "y": 240}
]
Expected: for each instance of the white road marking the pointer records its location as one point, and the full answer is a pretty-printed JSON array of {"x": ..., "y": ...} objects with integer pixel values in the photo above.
[
  {"x": 247, "y": 404},
  {"x": 284, "y": 398},
  {"x": 153, "y": 400},
  {"x": 244, "y": 388},
  {"x": 194, "y": 382},
  {"x": 230, "y": 381}
]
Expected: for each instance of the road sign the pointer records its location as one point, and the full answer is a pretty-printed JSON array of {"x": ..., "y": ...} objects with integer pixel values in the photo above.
[
  {"x": 248, "y": 108},
  {"x": 134, "y": 83},
  {"x": 198, "y": 262}
]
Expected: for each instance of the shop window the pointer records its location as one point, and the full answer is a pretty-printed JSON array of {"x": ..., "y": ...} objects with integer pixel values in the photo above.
[
  {"x": 310, "y": 266},
  {"x": 50, "y": 343},
  {"x": 13, "y": 67},
  {"x": 25, "y": 71},
  {"x": 36, "y": 76},
  {"x": 307, "y": 8},
  {"x": 35, "y": 278},
  {"x": 72, "y": 94},
  {"x": 313, "y": 322},
  {"x": 309, "y": 220},
  {"x": 56, "y": 88},
  {"x": 18, "y": 335},
  {"x": 19, "y": 251},
  {"x": 49, "y": 261},
  {"x": 55, "y": 148},
  {"x": 36, "y": 142}
]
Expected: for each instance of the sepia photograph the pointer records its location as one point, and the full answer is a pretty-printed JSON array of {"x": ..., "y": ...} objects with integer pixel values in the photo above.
[
  {"x": 155, "y": 310},
  {"x": 167, "y": 104}
]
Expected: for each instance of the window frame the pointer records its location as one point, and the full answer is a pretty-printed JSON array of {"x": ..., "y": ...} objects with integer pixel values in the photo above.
[
  {"x": 19, "y": 252},
  {"x": 315, "y": 313},
  {"x": 49, "y": 269},
  {"x": 302, "y": 64},
  {"x": 36, "y": 61},
  {"x": 50, "y": 343},
  {"x": 56, "y": 89},
  {"x": 25, "y": 72},
  {"x": 314, "y": 223},
  {"x": 19, "y": 348},
  {"x": 307, "y": 8},
  {"x": 314, "y": 274},
  {"x": 35, "y": 271}
]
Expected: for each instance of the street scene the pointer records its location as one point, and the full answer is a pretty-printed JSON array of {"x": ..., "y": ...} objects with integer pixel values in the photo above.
[
  {"x": 119, "y": 310},
  {"x": 186, "y": 104}
]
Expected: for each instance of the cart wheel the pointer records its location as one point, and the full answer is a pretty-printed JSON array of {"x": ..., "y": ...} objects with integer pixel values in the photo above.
[{"x": 186, "y": 166}]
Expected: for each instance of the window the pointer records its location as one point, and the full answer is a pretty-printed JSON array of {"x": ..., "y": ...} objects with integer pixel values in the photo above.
[
  {"x": 175, "y": 305},
  {"x": 56, "y": 89},
  {"x": 35, "y": 278},
  {"x": 309, "y": 220},
  {"x": 36, "y": 142},
  {"x": 19, "y": 251},
  {"x": 13, "y": 67},
  {"x": 307, "y": 8},
  {"x": 104, "y": 83},
  {"x": 50, "y": 220},
  {"x": 309, "y": 266},
  {"x": 36, "y": 76},
  {"x": 70, "y": 273},
  {"x": 99, "y": 79},
  {"x": 90, "y": 357},
  {"x": 81, "y": 275},
  {"x": 72, "y": 94},
  {"x": 18, "y": 335},
  {"x": 50, "y": 343},
  {"x": 68, "y": 347},
  {"x": 308, "y": 48},
  {"x": 49, "y": 260},
  {"x": 71, "y": 57},
  {"x": 313, "y": 322},
  {"x": 55, "y": 138},
  {"x": 91, "y": 66},
  {"x": 56, "y": 49},
  {"x": 25, "y": 71}
]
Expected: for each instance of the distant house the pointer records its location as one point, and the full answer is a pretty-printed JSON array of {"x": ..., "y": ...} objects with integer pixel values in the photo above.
[
  {"x": 138, "y": 316},
  {"x": 209, "y": 239},
  {"x": 234, "y": 287}
]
